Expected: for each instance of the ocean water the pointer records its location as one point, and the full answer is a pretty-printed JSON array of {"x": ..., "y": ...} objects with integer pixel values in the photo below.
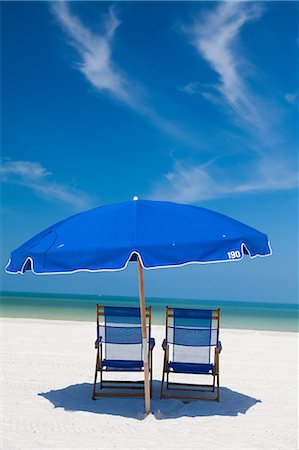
[{"x": 241, "y": 315}]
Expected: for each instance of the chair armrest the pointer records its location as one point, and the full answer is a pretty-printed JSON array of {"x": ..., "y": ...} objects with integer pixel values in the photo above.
[
  {"x": 164, "y": 344},
  {"x": 219, "y": 346},
  {"x": 98, "y": 342},
  {"x": 152, "y": 343}
]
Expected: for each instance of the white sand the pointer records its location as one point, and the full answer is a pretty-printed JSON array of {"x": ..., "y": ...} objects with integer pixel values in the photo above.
[{"x": 48, "y": 371}]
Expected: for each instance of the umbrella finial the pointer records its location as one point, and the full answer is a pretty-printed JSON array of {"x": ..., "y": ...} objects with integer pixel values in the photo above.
[{"x": 135, "y": 197}]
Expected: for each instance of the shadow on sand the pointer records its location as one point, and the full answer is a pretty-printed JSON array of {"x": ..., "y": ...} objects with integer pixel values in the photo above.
[{"x": 78, "y": 398}]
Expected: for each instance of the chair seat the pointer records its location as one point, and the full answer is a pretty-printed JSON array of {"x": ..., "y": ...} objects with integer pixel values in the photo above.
[
  {"x": 118, "y": 364},
  {"x": 190, "y": 368}
]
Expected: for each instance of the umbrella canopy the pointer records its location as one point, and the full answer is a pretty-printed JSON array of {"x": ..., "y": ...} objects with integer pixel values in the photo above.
[{"x": 162, "y": 234}]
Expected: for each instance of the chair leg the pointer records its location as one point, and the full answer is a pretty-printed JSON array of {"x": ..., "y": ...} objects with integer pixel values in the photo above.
[
  {"x": 151, "y": 374},
  {"x": 217, "y": 351},
  {"x": 163, "y": 373},
  {"x": 95, "y": 376},
  {"x": 162, "y": 383},
  {"x": 214, "y": 377},
  {"x": 101, "y": 379}
]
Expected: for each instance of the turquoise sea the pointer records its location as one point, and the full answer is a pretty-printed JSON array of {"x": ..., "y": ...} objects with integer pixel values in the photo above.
[{"x": 260, "y": 316}]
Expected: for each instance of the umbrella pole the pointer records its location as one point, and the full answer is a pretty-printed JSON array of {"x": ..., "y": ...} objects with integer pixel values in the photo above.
[{"x": 144, "y": 338}]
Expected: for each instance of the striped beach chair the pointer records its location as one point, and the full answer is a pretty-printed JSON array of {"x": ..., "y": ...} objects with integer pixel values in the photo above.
[
  {"x": 191, "y": 346},
  {"x": 119, "y": 349}
]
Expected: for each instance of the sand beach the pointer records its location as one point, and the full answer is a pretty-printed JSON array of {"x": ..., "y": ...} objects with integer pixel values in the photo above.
[{"x": 47, "y": 375}]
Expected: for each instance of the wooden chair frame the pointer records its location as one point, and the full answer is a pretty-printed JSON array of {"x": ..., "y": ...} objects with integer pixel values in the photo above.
[
  {"x": 120, "y": 384},
  {"x": 187, "y": 387}
]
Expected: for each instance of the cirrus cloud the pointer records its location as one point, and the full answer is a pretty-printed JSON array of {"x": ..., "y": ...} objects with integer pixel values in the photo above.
[
  {"x": 95, "y": 52},
  {"x": 192, "y": 183},
  {"x": 273, "y": 160},
  {"x": 34, "y": 176}
]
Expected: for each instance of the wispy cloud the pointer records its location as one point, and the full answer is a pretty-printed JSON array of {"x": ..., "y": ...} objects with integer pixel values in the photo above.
[
  {"x": 36, "y": 177},
  {"x": 209, "y": 92},
  {"x": 272, "y": 165},
  {"x": 291, "y": 98},
  {"x": 192, "y": 88},
  {"x": 215, "y": 36},
  {"x": 188, "y": 183},
  {"x": 97, "y": 65},
  {"x": 95, "y": 53}
]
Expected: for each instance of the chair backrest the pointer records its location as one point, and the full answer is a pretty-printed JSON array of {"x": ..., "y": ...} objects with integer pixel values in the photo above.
[
  {"x": 192, "y": 333},
  {"x": 120, "y": 331}
]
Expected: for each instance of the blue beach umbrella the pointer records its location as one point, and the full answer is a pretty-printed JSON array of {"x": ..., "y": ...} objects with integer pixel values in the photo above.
[{"x": 153, "y": 233}]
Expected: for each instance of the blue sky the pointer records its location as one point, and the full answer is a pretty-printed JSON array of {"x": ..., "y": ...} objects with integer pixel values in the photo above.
[{"x": 193, "y": 102}]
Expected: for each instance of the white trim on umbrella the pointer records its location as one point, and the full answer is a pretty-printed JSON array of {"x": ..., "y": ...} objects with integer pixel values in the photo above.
[{"x": 134, "y": 252}]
